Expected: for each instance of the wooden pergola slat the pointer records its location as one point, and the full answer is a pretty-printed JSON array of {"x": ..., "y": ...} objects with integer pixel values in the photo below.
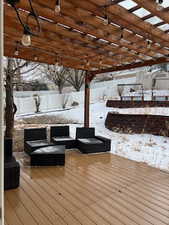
[{"x": 78, "y": 37}]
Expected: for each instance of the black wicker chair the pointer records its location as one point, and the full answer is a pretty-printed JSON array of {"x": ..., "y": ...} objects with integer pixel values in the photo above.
[
  {"x": 87, "y": 142},
  {"x": 59, "y": 135},
  {"x": 11, "y": 167},
  {"x": 35, "y": 138}
]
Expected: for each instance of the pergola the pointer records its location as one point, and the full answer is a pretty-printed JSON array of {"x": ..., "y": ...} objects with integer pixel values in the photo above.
[{"x": 98, "y": 36}]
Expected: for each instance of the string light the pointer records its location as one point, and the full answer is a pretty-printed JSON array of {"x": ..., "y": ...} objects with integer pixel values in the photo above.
[
  {"x": 122, "y": 35},
  {"x": 57, "y": 6},
  {"x": 100, "y": 61},
  {"x": 57, "y": 61},
  {"x": 87, "y": 63},
  {"x": 148, "y": 44},
  {"x": 27, "y": 31},
  {"x": 26, "y": 38},
  {"x": 159, "y": 6},
  {"x": 105, "y": 18},
  {"x": 16, "y": 50}
]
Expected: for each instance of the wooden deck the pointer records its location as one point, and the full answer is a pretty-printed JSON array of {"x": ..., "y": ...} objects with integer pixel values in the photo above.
[{"x": 91, "y": 189}]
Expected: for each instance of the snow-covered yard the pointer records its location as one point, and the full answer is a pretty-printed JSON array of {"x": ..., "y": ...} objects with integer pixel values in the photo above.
[{"x": 153, "y": 150}]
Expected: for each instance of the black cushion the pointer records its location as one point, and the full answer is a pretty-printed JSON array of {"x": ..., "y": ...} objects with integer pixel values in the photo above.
[
  {"x": 59, "y": 131},
  {"x": 35, "y": 134},
  {"x": 83, "y": 132}
]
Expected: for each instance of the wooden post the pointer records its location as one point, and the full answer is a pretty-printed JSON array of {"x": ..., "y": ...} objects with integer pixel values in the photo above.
[
  {"x": 86, "y": 100},
  {"x": 1, "y": 116}
]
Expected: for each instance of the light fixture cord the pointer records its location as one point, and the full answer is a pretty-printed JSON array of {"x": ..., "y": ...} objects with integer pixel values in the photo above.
[
  {"x": 34, "y": 14},
  {"x": 16, "y": 10}
]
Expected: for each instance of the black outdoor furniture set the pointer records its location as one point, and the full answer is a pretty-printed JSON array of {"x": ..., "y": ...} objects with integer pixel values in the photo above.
[
  {"x": 87, "y": 142},
  {"x": 11, "y": 167},
  {"x": 46, "y": 153}
]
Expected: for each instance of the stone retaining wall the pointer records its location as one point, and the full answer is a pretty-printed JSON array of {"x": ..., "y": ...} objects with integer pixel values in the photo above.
[
  {"x": 125, "y": 123},
  {"x": 136, "y": 104}
]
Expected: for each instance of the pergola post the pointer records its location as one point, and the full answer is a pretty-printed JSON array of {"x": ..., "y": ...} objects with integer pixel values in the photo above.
[
  {"x": 87, "y": 100},
  {"x": 1, "y": 116}
]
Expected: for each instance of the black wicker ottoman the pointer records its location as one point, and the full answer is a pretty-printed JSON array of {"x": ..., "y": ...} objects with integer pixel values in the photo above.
[
  {"x": 48, "y": 156},
  {"x": 11, "y": 174}
]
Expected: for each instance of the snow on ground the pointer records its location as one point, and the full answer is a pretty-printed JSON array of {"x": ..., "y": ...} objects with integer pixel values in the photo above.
[{"x": 153, "y": 150}]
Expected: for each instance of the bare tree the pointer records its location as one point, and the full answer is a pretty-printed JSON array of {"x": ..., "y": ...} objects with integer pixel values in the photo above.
[
  {"x": 58, "y": 75},
  {"x": 12, "y": 69},
  {"x": 76, "y": 78}
]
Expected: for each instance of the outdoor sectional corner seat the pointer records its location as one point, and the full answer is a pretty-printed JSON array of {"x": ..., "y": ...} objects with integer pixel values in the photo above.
[
  {"x": 87, "y": 142},
  {"x": 35, "y": 138},
  {"x": 59, "y": 135}
]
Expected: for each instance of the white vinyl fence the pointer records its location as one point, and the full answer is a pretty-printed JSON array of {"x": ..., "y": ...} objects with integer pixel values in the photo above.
[{"x": 51, "y": 100}]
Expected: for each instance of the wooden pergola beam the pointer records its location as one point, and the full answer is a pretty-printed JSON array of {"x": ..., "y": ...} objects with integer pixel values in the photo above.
[
  {"x": 127, "y": 67},
  {"x": 79, "y": 35},
  {"x": 66, "y": 21},
  {"x": 151, "y": 7}
]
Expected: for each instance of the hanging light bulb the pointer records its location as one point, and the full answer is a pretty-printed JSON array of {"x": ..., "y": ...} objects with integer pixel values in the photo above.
[
  {"x": 56, "y": 64},
  {"x": 83, "y": 66},
  {"x": 148, "y": 44},
  {"x": 87, "y": 63},
  {"x": 159, "y": 6},
  {"x": 26, "y": 38},
  {"x": 106, "y": 20},
  {"x": 122, "y": 35},
  {"x": 16, "y": 52},
  {"x": 35, "y": 58},
  {"x": 57, "y": 7},
  {"x": 16, "y": 49},
  {"x": 100, "y": 61},
  {"x": 57, "y": 60}
]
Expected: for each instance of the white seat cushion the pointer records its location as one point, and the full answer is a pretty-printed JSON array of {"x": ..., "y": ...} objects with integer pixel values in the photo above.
[
  {"x": 37, "y": 143},
  {"x": 63, "y": 138},
  {"x": 90, "y": 140}
]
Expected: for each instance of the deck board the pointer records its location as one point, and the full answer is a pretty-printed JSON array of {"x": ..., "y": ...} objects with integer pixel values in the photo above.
[{"x": 98, "y": 189}]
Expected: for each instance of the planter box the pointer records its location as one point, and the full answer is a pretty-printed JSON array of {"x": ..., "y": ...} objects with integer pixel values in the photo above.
[
  {"x": 136, "y": 104},
  {"x": 126, "y": 123}
]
